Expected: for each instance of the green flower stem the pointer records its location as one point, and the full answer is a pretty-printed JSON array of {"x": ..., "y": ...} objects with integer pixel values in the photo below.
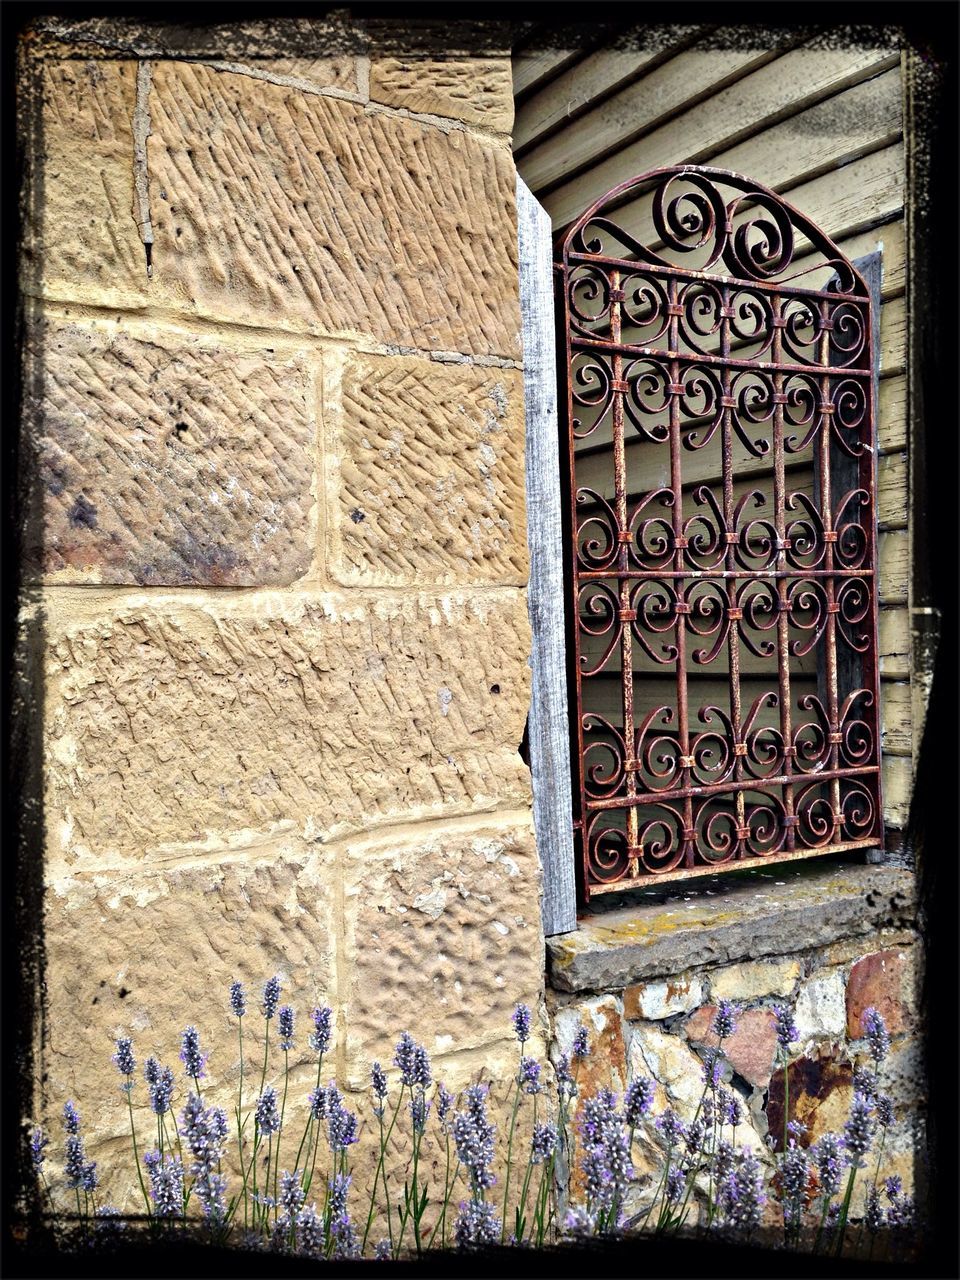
[
  {"x": 526, "y": 1183},
  {"x": 373, "y": 1196},
  {"x": 136, "y": 1153},
  {"x": 441, "y": 1223},
  {"x": 506, "y": 1184},
  {"x": 844, "y": 1211},
  {"x": 283, "y": 1107}
]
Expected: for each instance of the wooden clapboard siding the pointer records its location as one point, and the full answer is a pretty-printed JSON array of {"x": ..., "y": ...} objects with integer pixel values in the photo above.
[{"x": 824, "y": 128}]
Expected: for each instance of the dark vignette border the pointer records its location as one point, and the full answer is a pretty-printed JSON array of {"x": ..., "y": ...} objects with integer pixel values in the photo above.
[{"x": 931, "y": 29}]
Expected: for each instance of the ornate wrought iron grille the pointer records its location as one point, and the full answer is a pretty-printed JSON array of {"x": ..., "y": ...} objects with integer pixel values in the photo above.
[{"x": 720, "y": 405}]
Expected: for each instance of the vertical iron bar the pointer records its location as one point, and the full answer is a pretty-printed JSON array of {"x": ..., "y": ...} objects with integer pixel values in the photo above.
[
  {"x": 826, "y": 514},
  {"x": 783, "y": 624}
]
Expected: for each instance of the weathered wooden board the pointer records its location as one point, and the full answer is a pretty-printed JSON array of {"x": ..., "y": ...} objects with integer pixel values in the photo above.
[{"x": 549, "y": 719}]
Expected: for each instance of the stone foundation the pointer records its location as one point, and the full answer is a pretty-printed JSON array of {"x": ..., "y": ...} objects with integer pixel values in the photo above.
[{"x": 826, "y": 940}]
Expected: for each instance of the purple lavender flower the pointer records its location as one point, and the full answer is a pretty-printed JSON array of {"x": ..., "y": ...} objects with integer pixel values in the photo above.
[
  {"x": 292, "y": 1194},
  {"x": 669, "y": 1125},
  {"x": 598, "y": 1180},
  {"x": 675, "y": 1185},
  {"x": 794, "y": 1170},
  {"x": 317, "y": 1100},
  {"x": 151, "y": 1071},
  {"x": 266, "y": 1116},
  {"x": 521, "y": 1023},
  {"x": 338, "y": 1188},
  {"x": 193, "y": 1060},
  {"x": 874, "y": 1215},
  {"x": 166, "y": 1184},
  {"x": 476, "y": 1225},
  {"x": 864, "y": 1082},
  {"x": 238, "y": 999},
  {"x": 381, "y": 1251},
  {"x": 205, "y": 1131},
  {"x": 695, "y": 1137},
  {"x": 445, "y": 1101},
  {"x": 833, "y": 1215},
  {"x": 75, "y": 1162},
  {"x": 827, "y": 1152},
  {"x": 875, "y": 1029},
  {"x": 893, "y": 1186},
  {"x": 723, "y": 1161},
  {"x": 322, "y": 1030},
  {"x": 858, "y": 1131},
  {"x": 421, "y": 1067},
  {"x": 580, "y": 1221},
  {"x": 712, "y": 1070},
  {"x": 404, "y": 1058},
  {"x": 566, "y": 1085},
  {"x": 125, "y": 1061},
  {"x": 345, "y": 1243},
  {"x": 309, "y": 1232},
  {"x": 599, "y": 1111},
  {"x": 742, "y": 1194},
  {"x": 637, "y": 1100},
  {"x": 581, "y": 1046},
  {"x": 796, "y": 1129},
  {"x": 900, "y": 1213},
  {"x": 543, "y": 1143},
  {"x": 161, "y": 1090},
  {"x": 787, "y": 1033},
  {"x": 271, "y": 997},
  {"x": 37, "y": 1143},
  {"x": 473, "y": 1135},
  {"x": 883, "y": 1108},
  {"x": 71, "y": 1118},
  {"x": 528, "y": 1077},
  {"x": 730, "y": 1112},
  {"x": 725, "y": 1019},
  {"x": 378, "y": 1081},
  {"x": 89, "y": 1180},
  {"x": 341, "y": 1127},
  {"x": 419, "y": 1110},
  {"x": 285, "y": 1025}
]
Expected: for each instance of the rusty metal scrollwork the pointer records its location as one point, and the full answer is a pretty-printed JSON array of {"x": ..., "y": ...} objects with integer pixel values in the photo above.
[{"x": 719, "y": 408}]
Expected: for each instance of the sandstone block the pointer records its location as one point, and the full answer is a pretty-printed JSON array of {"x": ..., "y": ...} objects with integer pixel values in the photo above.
[
  {"x": 655, "y": 1000},
  {"x": 164, "y": 459},
  {"x": 752, "y": 980},
  {"x": 425, "y": 471},
  {"x": 672, "y": 1063},
  {"x": 317, "y": 72},
  {"x": 751, "y": 1048},
  {"x": 81, "y": 229},
  {"x": 300, "y": 210},
  {"x": 476, "y": 90},
  {"x": 856, "y": 948},
  {"x": 442, "y": 938},
  {"x": 147, "y": 954},
  {"x": 887, "y": 981},
  {"x": 179, "y": 727},
  {"x": 820, "y": 1009}
]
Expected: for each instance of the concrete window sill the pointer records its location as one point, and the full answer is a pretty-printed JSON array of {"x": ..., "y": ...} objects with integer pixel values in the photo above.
[{"x": 740, "y": 916}]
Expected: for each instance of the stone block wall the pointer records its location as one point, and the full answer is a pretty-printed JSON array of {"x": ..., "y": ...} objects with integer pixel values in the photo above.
[
  {"x": 276, "y": 546},
  {"x": 650, "y": 1016}
]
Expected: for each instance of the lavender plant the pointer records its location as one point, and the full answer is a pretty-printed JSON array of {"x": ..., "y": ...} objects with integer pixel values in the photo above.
[{"x": 183, "y": 1173}]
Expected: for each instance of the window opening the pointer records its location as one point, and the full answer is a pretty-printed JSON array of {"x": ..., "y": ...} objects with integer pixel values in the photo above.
[{"x": 719, "y": 400}]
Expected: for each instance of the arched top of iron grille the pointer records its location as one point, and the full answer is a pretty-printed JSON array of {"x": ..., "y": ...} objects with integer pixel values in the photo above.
[{"x": 698, "y": 219}]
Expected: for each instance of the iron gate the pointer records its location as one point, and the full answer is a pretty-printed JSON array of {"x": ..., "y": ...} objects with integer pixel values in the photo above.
[{"x": 720, "y": 406}]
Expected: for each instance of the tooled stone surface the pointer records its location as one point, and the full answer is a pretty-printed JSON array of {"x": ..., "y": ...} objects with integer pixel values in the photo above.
[
  {"x": 295, "y": 209},
  {"x": 442, "y": 937},
  {"x": 424, "y": 462},
  {"x": 475, "y": 90},
  {"x": 144, "y": 955},
  {"x": 166, "y": 460},
  {"x": 176, "y": 727},
  {"x": 742, "y": 920},
  {"x": 80, "y": 230}
]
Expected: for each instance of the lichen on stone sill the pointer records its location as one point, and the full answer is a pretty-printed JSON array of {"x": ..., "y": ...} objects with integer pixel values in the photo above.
[{"x": 725, "y": 919}]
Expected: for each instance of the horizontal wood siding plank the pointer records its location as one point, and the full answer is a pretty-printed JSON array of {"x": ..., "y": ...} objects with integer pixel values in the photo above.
[
  {"x": 895, "y": 642},
  {"x": 896, "y": 730},
  {"x": 897, "y": 776},
  {"x": 780, "y": 88},
  {"x": 585, "y": 85},
  {"x": 608, "y": 130},
  {"x": 532, "y": 69}
]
